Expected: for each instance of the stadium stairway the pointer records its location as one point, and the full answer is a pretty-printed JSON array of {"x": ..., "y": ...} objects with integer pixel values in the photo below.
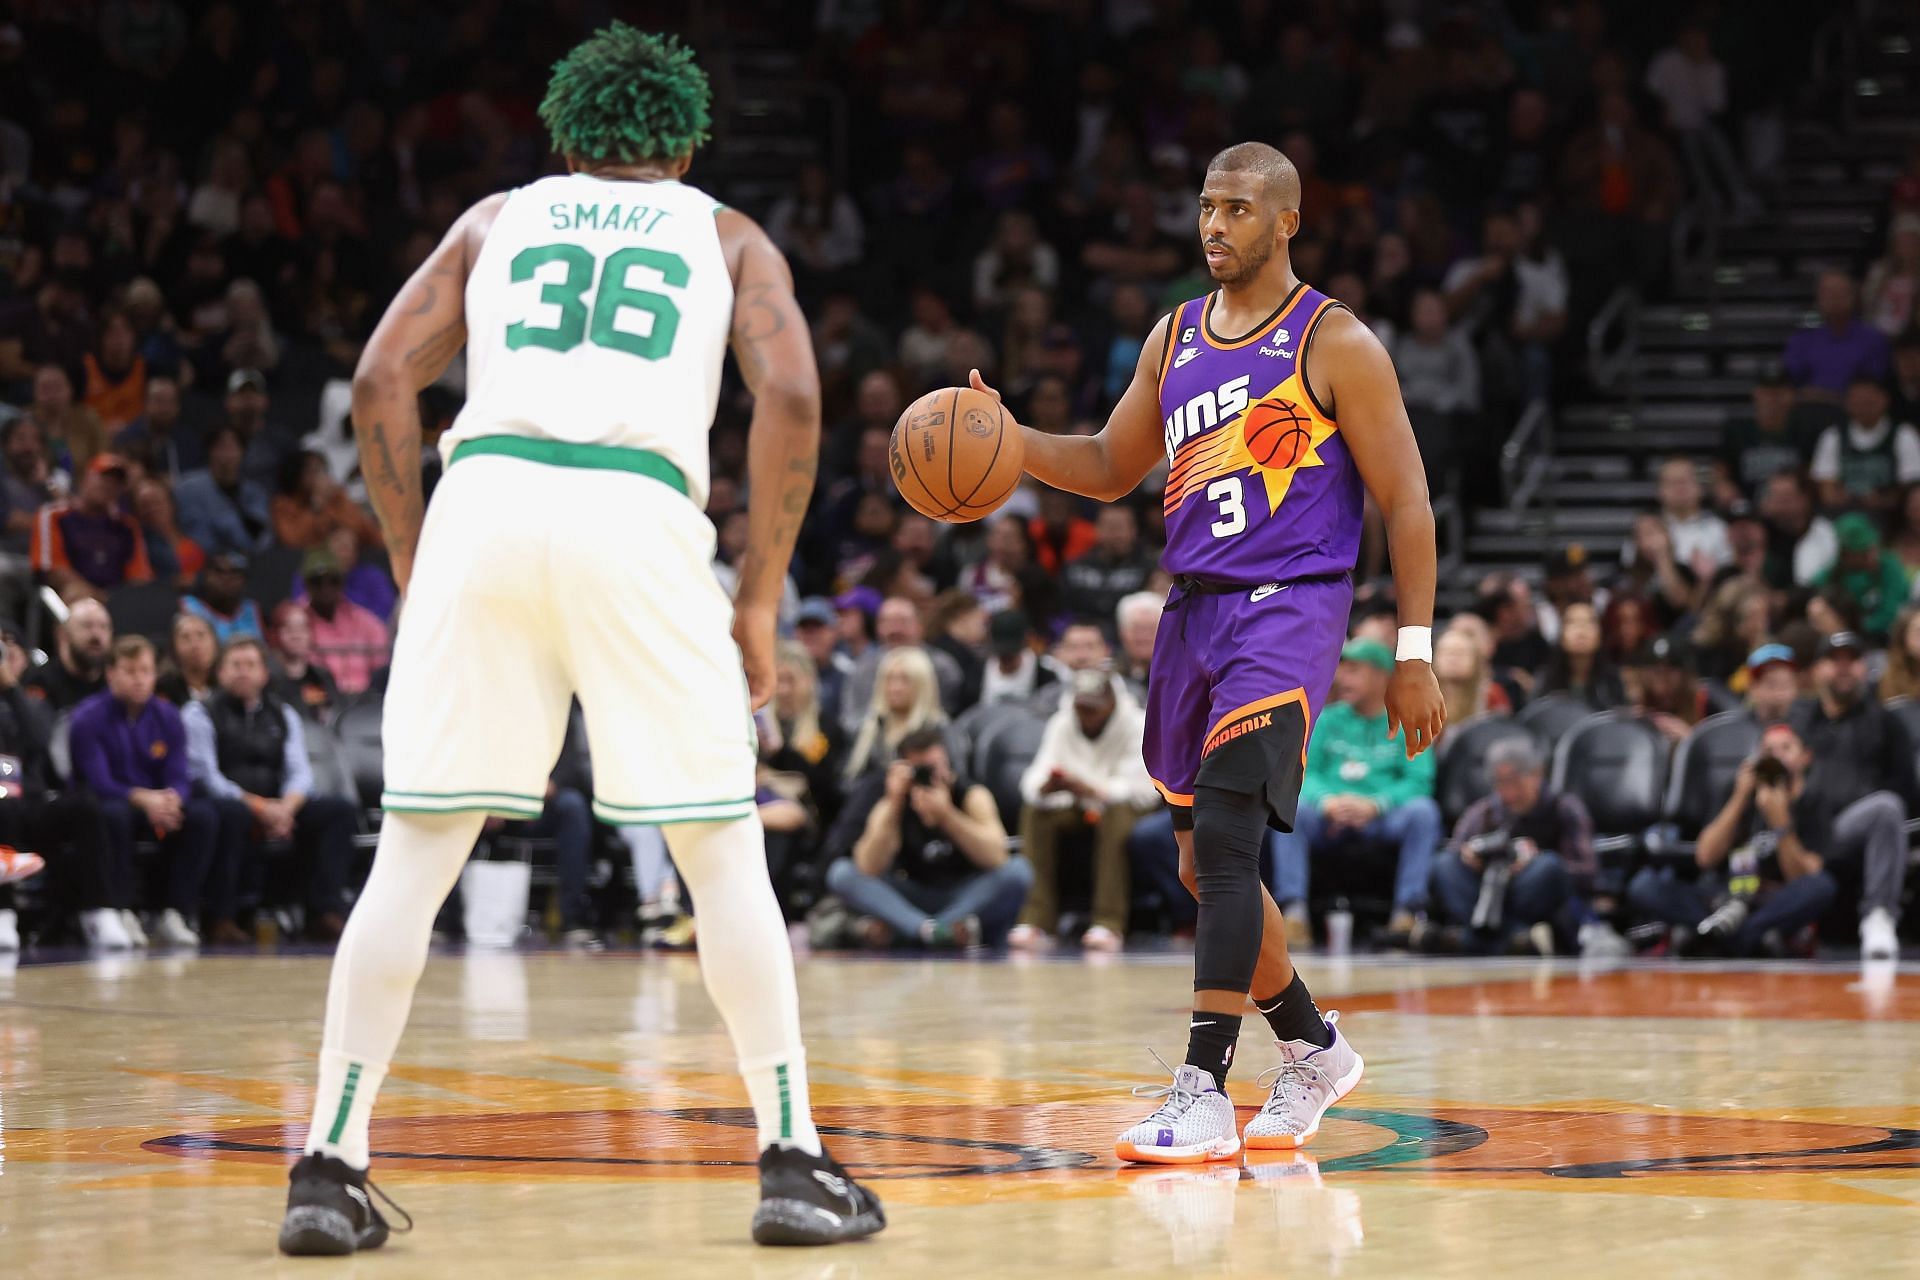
[
  {"x": 1668, "y": 374},
  {"x": 773, "y": 120}
]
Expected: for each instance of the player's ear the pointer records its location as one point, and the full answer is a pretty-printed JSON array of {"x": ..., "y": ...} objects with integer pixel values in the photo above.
[
  {"x": 681, "y": 164},
  {"x": 1289, "y": 223}
]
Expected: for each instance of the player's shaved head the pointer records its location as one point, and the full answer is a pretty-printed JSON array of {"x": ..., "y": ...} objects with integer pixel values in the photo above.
[{"x": 1280, "y": 178}]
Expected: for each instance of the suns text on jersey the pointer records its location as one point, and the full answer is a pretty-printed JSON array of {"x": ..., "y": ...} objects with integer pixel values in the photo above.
[{"x": 1206, "y": 411}]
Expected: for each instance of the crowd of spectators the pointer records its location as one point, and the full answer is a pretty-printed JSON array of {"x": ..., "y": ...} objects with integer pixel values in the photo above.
[{"x": 191, "y": 258}]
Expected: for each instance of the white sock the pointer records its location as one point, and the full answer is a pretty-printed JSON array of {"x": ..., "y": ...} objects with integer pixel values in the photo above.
[
  {"x": 381, "y": 954},
  {"x": 748, "y": 966},
  {"x": 343, "y": 1107}
]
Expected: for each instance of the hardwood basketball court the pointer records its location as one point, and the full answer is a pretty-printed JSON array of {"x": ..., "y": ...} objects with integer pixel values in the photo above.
[{"x": 575, "y": 1115}]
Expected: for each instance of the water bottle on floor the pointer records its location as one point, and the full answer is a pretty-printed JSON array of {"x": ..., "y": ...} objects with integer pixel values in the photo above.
[{"x": 1339, "y": 929}]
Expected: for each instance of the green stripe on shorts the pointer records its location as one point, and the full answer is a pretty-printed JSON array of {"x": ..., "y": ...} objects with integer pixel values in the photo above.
[
  {"x": 511, "y": 803},
  {"x": 641, "y": 815},
  {"x": 560, "y": 453}
]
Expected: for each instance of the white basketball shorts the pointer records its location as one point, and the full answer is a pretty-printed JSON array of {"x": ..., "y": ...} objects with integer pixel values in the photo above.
[{"x": 535, "y": 583}]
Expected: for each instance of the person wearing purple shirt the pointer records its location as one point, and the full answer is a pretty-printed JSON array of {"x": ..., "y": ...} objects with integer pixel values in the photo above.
[
  {"x": 129, "y": 750},
  {"x": 1823, "y": 361}
]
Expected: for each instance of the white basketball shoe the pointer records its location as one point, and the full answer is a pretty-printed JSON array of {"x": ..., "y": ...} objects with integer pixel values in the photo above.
[
  {"x": 1194, "y": 1125},
  {"x": 1307, "y": 1082}
]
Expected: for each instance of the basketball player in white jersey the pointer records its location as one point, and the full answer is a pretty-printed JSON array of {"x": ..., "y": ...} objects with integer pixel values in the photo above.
[{"x": 566, "y": 554}]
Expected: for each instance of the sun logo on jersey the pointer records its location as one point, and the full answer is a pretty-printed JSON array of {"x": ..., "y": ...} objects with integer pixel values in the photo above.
[
  {"x": 1280, "y": 438},
  {"x": 1273, "y": 436}
]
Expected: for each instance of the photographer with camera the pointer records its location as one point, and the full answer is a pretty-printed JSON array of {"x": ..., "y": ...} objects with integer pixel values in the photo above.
[
  {"x": 1761, "y": 863},
  {"x": 1518, "y": 855},
  {"x": 922, "y": 852}
]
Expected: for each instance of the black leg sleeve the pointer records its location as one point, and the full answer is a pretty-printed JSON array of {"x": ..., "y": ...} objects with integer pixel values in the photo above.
[{"x": 1228, "y": 829}]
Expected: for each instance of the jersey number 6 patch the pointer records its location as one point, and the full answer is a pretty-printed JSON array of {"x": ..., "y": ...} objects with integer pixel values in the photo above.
[{"x": 600, "y": 327}]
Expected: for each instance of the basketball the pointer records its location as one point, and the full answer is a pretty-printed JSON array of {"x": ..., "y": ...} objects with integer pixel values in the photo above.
[
  {"x": 1277, "y": 434},
  {"x": 955, "y": 455}
]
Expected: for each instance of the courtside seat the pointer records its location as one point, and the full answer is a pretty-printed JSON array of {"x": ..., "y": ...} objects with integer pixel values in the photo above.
[
  {"x": 1617, "y": 764},
  {"x": 1705, "y": 766},
  {"x": 976, "y": 724},
  {"x": 1460, "y": 773},
  {"x": 1002, "y": 757},
  {"x": 358, "y": 729},
  {"x": 1550, "y": 716}
]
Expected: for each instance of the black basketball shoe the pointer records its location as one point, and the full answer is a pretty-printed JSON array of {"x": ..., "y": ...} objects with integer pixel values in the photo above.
[
  {"x": 811, "y": 1200},
  {"x": 330, "y": 1210}
]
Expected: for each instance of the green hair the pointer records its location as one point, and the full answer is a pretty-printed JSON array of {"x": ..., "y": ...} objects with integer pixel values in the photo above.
[{"x": 626, "y": 95}]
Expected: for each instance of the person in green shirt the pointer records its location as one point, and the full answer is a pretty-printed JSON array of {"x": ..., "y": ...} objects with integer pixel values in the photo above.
[
  {"x": 1361, "y": 790},
  {"x": 1868, "y": 573}
]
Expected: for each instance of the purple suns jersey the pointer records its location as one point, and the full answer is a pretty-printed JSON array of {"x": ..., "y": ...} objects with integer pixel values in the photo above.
[{"x": 1260, "y": 485}]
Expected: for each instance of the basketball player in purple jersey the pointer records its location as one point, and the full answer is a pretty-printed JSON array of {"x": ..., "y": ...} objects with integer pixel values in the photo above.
[{"x": 1272, "y": 405}]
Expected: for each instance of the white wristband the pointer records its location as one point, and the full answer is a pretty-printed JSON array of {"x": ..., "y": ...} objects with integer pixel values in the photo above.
[{"x": 1416, "y": 645}]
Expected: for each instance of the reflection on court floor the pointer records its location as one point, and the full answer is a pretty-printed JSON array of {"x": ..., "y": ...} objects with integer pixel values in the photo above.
[{"x": 1514, "y": 1117}]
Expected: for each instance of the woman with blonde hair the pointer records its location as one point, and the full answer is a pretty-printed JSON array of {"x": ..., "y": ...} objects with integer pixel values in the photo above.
[
  {"x": 1736, "y": 621},
  {"x": 1902, "y": 679},
  {"x": 1466, "y": 680},
  {"x": 906, "y": 696},
  {"x": 801, "y": 747}
]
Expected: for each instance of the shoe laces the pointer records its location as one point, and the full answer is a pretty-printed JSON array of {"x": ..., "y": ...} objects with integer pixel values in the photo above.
[
  {"x": 1292, "y": 1082},
  {"x": 389, "y": 1201},
  {"x": 1179, "y": 1098}
]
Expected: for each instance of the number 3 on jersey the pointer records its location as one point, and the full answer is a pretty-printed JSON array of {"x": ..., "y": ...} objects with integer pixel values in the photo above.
[
  {"x": 1233, "y": 516},
  {"x": 600, "y": 326}
]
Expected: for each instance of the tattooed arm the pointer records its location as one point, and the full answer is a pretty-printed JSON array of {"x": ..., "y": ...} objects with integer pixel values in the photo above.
[
  {"x": 422, "y": 332},
  {"x": 775, "y": 353}
]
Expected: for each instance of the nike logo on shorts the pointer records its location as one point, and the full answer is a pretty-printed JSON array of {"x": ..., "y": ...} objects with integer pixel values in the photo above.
[{"x": 1261, "y": 593}]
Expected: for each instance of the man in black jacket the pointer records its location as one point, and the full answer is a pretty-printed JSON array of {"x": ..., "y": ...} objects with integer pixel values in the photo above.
[
  {"x": 66, "y": 829},
  {"x": 248, "y": 751},
  {"x": 1866, "y": 779},
  {"x": 1116, "y": 566}
]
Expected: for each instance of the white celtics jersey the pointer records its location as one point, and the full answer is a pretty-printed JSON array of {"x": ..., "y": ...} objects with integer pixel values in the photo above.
[{"x": 598, "y": 313}]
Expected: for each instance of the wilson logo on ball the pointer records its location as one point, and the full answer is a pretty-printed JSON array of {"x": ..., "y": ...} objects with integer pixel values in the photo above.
[{"x": 955, "y": 454}]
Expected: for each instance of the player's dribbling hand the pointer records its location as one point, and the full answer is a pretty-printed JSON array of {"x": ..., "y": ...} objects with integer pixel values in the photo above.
[
  {"x": 979, "y": 384},
  {"x": 753, "y": 631},
  {"x": 1414, "y": 705}
]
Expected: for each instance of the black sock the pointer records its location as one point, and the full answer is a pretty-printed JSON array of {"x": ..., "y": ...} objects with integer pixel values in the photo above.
[
  {"x": 1293, "y": 1015},
  {"x": 1210, "y": 1041}
]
